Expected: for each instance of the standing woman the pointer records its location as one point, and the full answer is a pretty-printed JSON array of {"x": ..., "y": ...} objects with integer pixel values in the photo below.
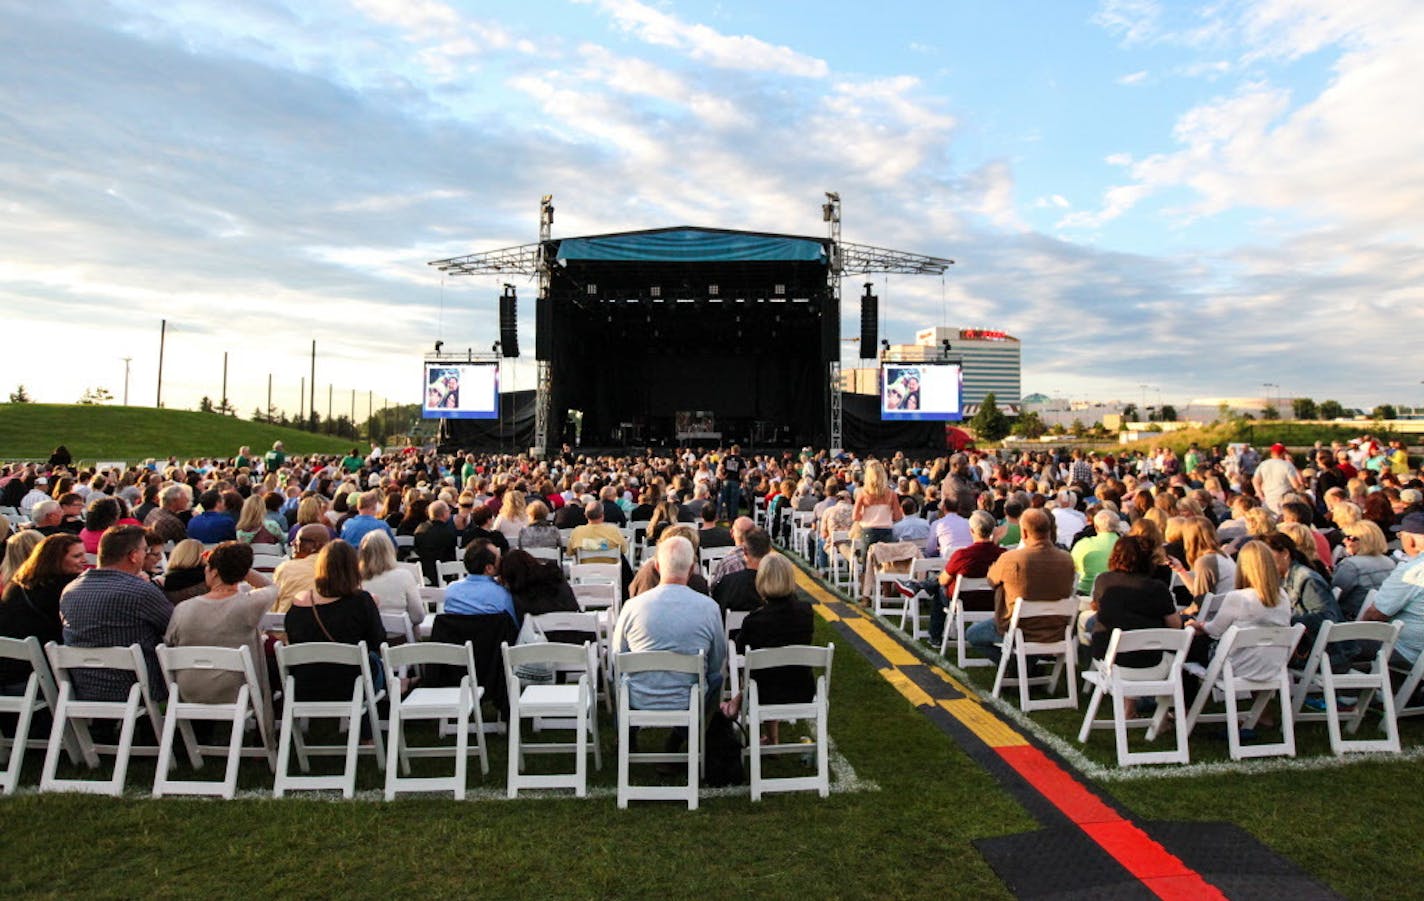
[
  {"x": 337, "y": 609},
  {"x": 877, "y": 508}
]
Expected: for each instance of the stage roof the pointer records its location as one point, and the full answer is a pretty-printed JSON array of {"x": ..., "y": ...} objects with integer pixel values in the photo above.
[{"x": 686, "y": 244}]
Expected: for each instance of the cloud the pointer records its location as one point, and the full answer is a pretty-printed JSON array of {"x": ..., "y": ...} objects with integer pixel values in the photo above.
[
  {"x": 1133, "y": 78},
  {"x": 1057, "y": 201},
  {"x": 1131, "y": 21},
  {"x": 708, "y": 45}
]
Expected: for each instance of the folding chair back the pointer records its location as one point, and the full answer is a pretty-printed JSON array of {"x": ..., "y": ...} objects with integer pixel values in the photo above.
[
  {"x": 434, "y": 600},
  {"x": 1319, "y": 676},
  {"x": 1162, "y": 682},
  {"x": 249, "y": 703},
  {"x": 414, "y": 568},
  {"x": 709, "y": 558},
  {"x": 817, "y": 709},
  {"x": 544, "y": 553},
  {"x": 40, "y": 693},
  {"x": 447, "y": 571},
  {"x": 1018, "y": 649},
  {"x": 957, "y": 618},
  {"x": 732, "y": 622},
  {"x": 364, "y": 697},
  {"x": 459, "y": 704},
  {"x": 1272, "y": 643},
  {"x": 73, "y": 712},
  {"x": 557, "y": 706},
  {"x": 629, "y": 663}
]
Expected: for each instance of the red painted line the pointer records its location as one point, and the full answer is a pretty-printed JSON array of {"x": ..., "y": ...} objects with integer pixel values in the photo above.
[{"x": 1162, "y": 872}]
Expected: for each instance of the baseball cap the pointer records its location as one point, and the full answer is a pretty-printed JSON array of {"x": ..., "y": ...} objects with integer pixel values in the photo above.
[
  {"x": 1278, "y": 448},
  {"x": 1413, "y": 524}
]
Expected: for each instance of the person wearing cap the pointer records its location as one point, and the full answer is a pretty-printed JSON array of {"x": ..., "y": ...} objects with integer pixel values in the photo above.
[
  {"x": 1276, "y": 477},
  {"x": 1401, "y": 597}
]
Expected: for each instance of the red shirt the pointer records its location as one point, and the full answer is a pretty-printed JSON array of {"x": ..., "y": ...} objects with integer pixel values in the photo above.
[{"x": 972, "y": 561}]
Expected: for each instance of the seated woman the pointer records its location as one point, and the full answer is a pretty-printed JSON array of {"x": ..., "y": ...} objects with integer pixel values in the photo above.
[
  {"x": 253, "y": 526},
  {"x": 18, "y": 548},
  {"x": 310, "y": 509},
  {"x": 1364, "y": 568},
  {"x": 336, "y": 610},
  {"x": 30, "y": 603},
  {"x": 393, "y": 586},
  {"x": 1311, "y": 600},
  {"x": 1127, "y": 597},
  {"x": 540, "y": 532},
  {"x": 784, "y": 619},
  {"x": 101, "y": 513},
  {"x": 537, "y": 586},
  {"x": 648, "y": 577},
  {"x": 1257, "y": 600},
  {"x": 664, "y": 516},
  {"x": 1208, "y": 570},
  {"x": 186, "y": 576},
  {"x": 226, "y": 616}
]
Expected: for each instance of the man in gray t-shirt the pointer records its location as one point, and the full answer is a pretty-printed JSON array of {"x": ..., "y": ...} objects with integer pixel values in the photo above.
[{"x": 1275, "y": 478}]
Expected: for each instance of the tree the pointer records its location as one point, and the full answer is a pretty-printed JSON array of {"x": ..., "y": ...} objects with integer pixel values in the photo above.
[
  {"x": 225, "y": 407},
  {"x": 1169, "y": 413},
  {"x": 205, "y": 405},
  {"x": 1385, "y": 411},
  {"x": 94, "y": 397},
  {"x": 1029, "y": 425},
  {"x": 1331, "y": 409},
  {"x": 1270, "y": 412},
  {"x": 1304, "y": 408},
  {"x": 1223, "y": 412},
  {"x": 990, "y": 423},
  {"x": 20, "y": 395},
  {"x": 1077, "y": 429},
  {"x": 1129, "y": 413}
]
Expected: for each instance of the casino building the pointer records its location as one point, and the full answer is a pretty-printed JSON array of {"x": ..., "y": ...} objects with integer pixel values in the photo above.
[{"x": 991, "y": 359}]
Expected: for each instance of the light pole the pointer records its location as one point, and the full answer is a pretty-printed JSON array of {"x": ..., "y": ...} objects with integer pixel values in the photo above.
[{"x": 127, "y": 360}]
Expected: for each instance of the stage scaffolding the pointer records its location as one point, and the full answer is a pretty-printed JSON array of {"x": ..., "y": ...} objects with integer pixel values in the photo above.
[{"x": 845, "y": 258}]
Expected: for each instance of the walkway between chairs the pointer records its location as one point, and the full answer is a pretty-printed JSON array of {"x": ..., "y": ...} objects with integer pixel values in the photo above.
[{"x": 1089, "y": 845}]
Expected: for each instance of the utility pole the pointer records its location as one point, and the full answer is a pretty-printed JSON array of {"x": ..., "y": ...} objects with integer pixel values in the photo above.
[
  {"x": 224, "y": 390},
  {"x": 330, "y": 393},
  {"x": 267, "y": 412},
  {"x": 313, "y": 383},
  {"x": 353, "y": 409},
  {"x": 302, "y": 402},
  {"x": 162, "y": 338},
  {"x": 127, "y": 360}
]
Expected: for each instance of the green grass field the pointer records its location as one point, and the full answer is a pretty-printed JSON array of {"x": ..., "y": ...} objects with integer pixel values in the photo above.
[{"x": 31, "y": 431}]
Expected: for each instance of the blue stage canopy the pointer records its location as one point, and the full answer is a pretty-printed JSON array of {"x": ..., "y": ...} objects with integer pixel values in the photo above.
[{"x": 692, "y": 245}]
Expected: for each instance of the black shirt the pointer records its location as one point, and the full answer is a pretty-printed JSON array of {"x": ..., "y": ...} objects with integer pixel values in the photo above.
[
  {"x": 346, "y": 620},
  {"x": 1127, "y": 601},
  {"x": 26, "y": 612}
]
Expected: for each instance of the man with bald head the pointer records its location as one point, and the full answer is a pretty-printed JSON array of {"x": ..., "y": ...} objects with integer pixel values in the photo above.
[
  {"x": 435, "y": 540},
  {"x": 1037, "y": 571},
  {"x": 597, "y": 535},
  {"x": 298, "y": 575},
  {"x": 736, "y": 561}
]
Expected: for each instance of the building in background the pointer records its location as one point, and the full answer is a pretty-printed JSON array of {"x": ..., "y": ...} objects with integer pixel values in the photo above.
[{"x": 991, "y": 362}]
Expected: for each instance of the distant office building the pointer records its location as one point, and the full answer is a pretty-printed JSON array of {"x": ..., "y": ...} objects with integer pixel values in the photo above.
[{"x": 992, "y": 361}]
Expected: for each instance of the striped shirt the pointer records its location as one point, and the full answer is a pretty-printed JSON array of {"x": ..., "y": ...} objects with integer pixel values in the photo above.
[{"x": 106, "y": 608}]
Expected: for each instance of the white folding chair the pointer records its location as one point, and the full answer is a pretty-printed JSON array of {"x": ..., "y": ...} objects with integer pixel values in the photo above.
[
  {"x": 1319, "y": 677},
  {"x": 459, "y": 703},
  {"x": 817, "y": 709},
  {"x": 548, "y": 704},
  {"x": 1162, "y": 682},
  {"x": 801, "y": 521},
  {"x": 592, "y": 626},
  {"x": 544, "y": 553},
  {"x": 709, "y": 557},
  {"x": 73, "y": 712},
  {"x": 732, "y": 622},
  {"x": 434, "y": 599},
  {"x": 598, "y": 556},
  {"x": 248, "y": 705},
  {"x": 1017, "y": 650},
  {"x": 414, "y": 568},
  {"x": 639, "y": 529},
  {"x": 267, "y": 557},
  {"x": 447, "y": 571},
  {"x": 690, "y": 718},
  {"x": 1220, "y": 676},
  {"x": 842, "y": 551},
  {"x": 405, "y": 543},
  {"x": 957, "y": 619},
  {"x": 272, "y": 622},
  {"x": 362, "y": 702},
  {"x": 398, "y": 625},
  {"x": 40, "y": 693}
]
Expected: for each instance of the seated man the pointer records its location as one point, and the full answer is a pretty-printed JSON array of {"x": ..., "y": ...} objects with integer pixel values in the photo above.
[
  {"x": 1090, "y": 555},
  {"x": 737, "y": 590},
  {"x": 1070, "y": 521},
  {"x": 1401, "y": 596},
  {"x": 167, "y": 518},
  {"x": 48, "y": 517},
  {"x": 951, "y": 530},
  {"x": 435, "y": 540},
  {"x": 115, "y": 606},
  {"x": 1036, "y": 571},
  {"x": 912, "y": 526},
  {"x": 365, "y": 521},
  {"x": 597, "y": 535},
  {"x": 672, "y": 617},
  {"x": 214, "y": 525},
  {"x": 478, "y": 592},
  {"x": 710, "y": 534}
]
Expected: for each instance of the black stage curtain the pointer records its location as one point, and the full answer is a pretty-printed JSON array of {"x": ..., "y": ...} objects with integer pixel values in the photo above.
[
  {"x": 512, "y": 433},
  {"x": 864, "y": 430}
]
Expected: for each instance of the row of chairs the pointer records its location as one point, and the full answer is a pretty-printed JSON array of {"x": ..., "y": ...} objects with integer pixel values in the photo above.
[{"x": 564, "y": 701}]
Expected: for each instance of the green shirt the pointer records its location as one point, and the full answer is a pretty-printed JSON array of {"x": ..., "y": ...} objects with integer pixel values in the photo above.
[{"x": 351, "y": 463}]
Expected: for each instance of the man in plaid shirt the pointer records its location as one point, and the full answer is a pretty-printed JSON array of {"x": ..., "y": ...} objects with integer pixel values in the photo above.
[{"x": 114, "y": 606}]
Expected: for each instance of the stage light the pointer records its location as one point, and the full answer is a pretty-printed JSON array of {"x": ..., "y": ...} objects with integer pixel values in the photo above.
[
  {"x": 438, "y": 345},
  {"x": 780, "y": 289},
  {"x": 712, "y": 290},
  {"x": 592, "y": 289}
]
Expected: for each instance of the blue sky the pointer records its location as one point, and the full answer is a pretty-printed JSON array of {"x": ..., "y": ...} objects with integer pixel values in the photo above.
[{"x": 1200, "y": 196}]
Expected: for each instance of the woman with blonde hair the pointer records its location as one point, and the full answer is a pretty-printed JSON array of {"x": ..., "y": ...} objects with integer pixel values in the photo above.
[
  {"x": 1207, "y": 569},
  {"x": 540, "y": 532},
  {"x": 1256, "y": 601},
  {"x": 393, "y": 586},
  {"x": 877, "y": 508},
  {"x": 187, "y": 571},
  {"x": 18, "y": 548},
  {"x": 1304, "y": 539},
  {"x": 664, "y": 516},
  {"x": 1364, "y": 568},
  {"x": 309, "y": 510},
  {"x": 252, "y": 524},
  {"x": 783, "y": 619},
  {"x": 511, "y": 519}
]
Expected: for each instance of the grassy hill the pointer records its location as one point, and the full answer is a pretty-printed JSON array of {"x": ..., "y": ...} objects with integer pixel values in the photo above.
[{"x": 31, "y": 431}]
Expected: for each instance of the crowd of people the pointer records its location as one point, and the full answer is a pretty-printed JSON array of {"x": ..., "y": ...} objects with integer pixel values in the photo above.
[{"x": 163, "y": 551}]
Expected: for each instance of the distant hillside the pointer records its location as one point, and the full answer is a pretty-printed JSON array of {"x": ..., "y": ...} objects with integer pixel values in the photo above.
[{"x": 31, "y": 431}]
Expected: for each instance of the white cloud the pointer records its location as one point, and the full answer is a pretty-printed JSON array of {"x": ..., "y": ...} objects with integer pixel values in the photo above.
[
  {"x": 1133, "y": 78},
  {"x": 1057, "y": 201},
  {"x": 708, "y": 45},
  {"x": 1132, "y": 21}
]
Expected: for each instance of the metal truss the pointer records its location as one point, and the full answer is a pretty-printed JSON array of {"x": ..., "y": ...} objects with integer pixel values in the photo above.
[
  {"x": 523, "y": 260},
  {"x": 858, "y": 259}
]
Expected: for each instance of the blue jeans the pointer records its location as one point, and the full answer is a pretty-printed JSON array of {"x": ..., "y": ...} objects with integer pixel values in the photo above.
[
  {"x": 985, "y": 636},
  {"x": 730, "y": 500}
]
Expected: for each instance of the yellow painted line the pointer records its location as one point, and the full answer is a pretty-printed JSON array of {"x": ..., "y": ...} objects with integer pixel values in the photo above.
[
  {"x": 912, "y": 692},
  {"x": 991, "y": 730},
  {"x": 894, "y": 653}
]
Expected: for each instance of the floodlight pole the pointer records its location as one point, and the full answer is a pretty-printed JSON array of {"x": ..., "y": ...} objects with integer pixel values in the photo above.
[
  {"x": 543, "y": 378},
  {"x": 162, "y": 339},
  {"x": 831, "y": 213},
  {"x": 312, "y": 417},
  {"x": 224, "y": 387},
  {"x": 127, "y": 360}
]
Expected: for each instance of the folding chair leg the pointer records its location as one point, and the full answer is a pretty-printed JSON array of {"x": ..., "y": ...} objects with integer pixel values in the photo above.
[
  {"x": 515, "y": 759},
  {"x": 1093, "y": 703},
  {"x": 393, "y": 748},
  {"x": 11, "y": 776},
  {"x": 694, "y": 756},
  {"x": 823, "y": 749},
  {"x": 234, "y": 751},
  {"x": 353, "y": 748},
  {"x": 165, "y": 753}
]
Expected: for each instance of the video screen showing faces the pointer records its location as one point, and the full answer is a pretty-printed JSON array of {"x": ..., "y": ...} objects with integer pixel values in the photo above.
[
  {"x": 461, "y": 391},
  {"x": 921, "y": 391}
]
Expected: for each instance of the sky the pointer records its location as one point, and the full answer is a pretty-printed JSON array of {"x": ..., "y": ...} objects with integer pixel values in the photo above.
[{"x": 1196, "y": 198}]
